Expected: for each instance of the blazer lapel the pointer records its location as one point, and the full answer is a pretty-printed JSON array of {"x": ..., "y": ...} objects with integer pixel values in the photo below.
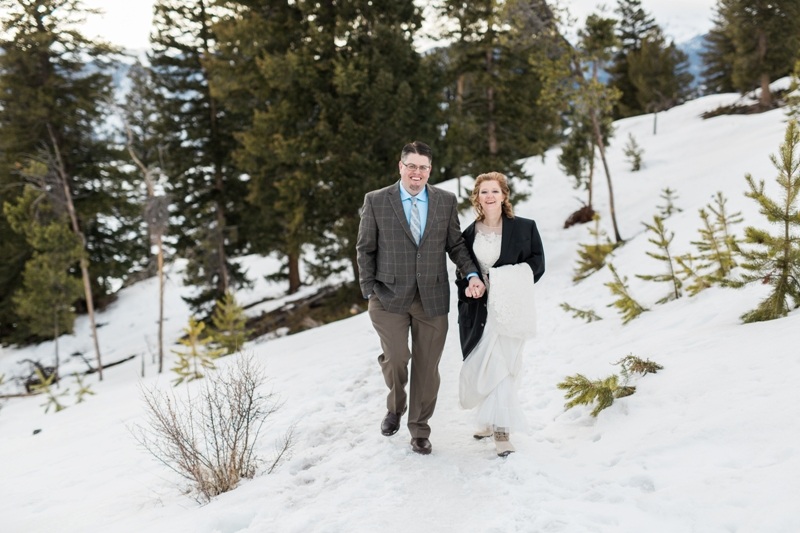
[
  {"x": 397, "y": 205},
  {"x": 505, "y": 242},
  {"x": 433, "y": 204}
]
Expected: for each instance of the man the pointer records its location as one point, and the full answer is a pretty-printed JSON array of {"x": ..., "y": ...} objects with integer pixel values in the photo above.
[{"x": 405, "y": 230}]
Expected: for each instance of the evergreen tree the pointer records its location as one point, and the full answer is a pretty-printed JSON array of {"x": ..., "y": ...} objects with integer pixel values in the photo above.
[
  {"x": 765, "y": 39},
  {"x": 330, "y": 81},
  {"x": 228, "y": 325},
  {"x": 662, "y": 241},
  {"x": 53, "y": 89},
  {"x": 208, "y": 188},
  {"x": 625, "y": 304},
  {"x": 669, "y": 197},
  {"x": 565, "y": 81},
  {"x": 634, "y": 26},
  {"x": 717, "y": 56},
  {"x": 578, "y": 151},
  {"x": 592, "y": 257},
  {"x": 196, "y": 357},
  {"x": 494, "y": 81},
  {"x": 659, "y": 73},
  {"x": 634, "y": 153},
  {"x": 774, "y": 259},
  {"x": 49, "y": 290}
]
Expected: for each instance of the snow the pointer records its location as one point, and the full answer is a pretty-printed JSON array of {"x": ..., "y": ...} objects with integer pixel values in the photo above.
[{"x": 708, "y": 444}]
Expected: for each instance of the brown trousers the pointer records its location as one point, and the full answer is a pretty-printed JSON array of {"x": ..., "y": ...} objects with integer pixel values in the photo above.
[{"x": 428, "y": 335}]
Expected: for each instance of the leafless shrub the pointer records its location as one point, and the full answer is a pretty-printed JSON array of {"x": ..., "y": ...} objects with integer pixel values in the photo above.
[{"x": 210, "y": 439}]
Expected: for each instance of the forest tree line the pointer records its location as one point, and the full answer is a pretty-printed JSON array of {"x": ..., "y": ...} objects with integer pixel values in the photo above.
[{"x": 257, "y": 126}]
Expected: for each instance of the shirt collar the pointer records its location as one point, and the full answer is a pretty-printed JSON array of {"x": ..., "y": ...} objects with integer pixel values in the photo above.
[{"x": 421, "y": 197}]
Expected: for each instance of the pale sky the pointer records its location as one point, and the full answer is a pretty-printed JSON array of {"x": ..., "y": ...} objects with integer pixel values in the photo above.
[{"x": 127, "y": 22}]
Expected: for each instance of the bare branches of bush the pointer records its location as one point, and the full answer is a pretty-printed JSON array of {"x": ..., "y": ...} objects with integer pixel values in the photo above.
[{"x": 210, "y": 439}]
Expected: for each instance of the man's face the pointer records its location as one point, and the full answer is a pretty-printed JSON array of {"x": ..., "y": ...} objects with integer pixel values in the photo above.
[{"x": 414, "y": 173}]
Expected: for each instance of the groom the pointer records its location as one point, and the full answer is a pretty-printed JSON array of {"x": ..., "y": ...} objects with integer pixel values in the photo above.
[{"x": 405, "y": 230}]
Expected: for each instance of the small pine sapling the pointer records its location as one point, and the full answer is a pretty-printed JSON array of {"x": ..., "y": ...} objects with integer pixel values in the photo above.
[
  {"x": 625, "y": 304},
  {"x": 632, "y": 364},
  {"x": 228, "y": 325},
  {"x": 44, "y": 386},
  {"x": 588, "y": 315},
  {"x": 83, "y": 389},
  {"x": 583, "y": 391},
  {"x": 592, "y": 257},
  {"x": 197, "y": 356},
  {"x": 694, "y": 281},
  {"x": 634, "y": 153},
  {"x": 774, "y": 259},
  {"x": 669, "y": 196},
  {"x": 723, "y": 222},
  {"x": 662, "y": 241}
]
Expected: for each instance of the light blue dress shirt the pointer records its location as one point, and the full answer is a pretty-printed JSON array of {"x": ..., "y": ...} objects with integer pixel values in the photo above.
[{"x": 422, "y": 205}]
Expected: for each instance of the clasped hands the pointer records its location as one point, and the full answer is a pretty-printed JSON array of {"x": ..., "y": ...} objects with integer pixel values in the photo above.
[{"x": 476, "y": 288}]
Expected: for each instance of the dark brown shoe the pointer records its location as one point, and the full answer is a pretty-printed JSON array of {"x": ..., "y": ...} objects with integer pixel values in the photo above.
[
  {"x": 422, "y": 446},
  {"x": 391, "y": 423}
]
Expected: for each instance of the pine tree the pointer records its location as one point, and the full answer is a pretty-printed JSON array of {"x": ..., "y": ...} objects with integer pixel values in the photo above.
[
  {"x": 634, "y": 26},
  {"x": 669, "y": 197},
  {"x": 662, "y": 241},
  {"x": 578, "y": 150},
  {"x": 717, "y": 56},
  {"x": 493, "y": 84},
  {"x": 208, "y": 188},
  {"x": 592, "y": 257},
  {"x": 765, "y": 42},
  {"x": 774, "y": 259},
  {"x": 197, "y": 356},
  {"x": 229, "y": 330},
  {"x": 718, "y": 245},
  {"x": 626, "y": 306},
  {"x": 54, "y": 83},
  {"x": 659, "y": 72},
  {"x": 634, "y": 153},
  {"x": 45, "y": 386}
]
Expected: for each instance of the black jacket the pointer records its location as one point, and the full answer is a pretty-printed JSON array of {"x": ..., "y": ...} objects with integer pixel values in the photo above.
[{"x": 521, "y": 243}]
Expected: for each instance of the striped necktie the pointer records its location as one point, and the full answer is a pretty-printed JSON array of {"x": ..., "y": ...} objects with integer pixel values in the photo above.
[{"x": 416, "y": 227}]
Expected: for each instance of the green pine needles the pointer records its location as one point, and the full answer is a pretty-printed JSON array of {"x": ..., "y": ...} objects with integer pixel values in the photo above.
[
  {"x": 592, "y": 257},
  {"x": 774, "y": 258},
  {"x": 662, "y": 240},
  {"x": 197, "y": 357},
  {"x": 625, "y": 303},
  {"x": 588, "y": 314},
  {"x": 581, "y": 390},
  {"x": 716, "y": 249},
  {"x": 228, "y": 331},
  {"x": 634, "y": 153}
]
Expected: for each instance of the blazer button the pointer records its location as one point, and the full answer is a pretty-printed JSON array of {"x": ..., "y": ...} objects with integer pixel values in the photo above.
[
  {"x": 418, "y": 274},
  {"x": 419, "y": 255}
]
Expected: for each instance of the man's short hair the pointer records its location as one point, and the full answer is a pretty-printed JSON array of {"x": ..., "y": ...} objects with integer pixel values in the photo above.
[{"x": 416, "y": 147}]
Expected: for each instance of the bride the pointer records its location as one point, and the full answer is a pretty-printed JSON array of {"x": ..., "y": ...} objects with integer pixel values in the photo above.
[{"x": 493, "y": 329}]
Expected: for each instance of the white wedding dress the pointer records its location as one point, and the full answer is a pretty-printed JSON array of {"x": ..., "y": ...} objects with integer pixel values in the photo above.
[{"x": 489, "y": 376}]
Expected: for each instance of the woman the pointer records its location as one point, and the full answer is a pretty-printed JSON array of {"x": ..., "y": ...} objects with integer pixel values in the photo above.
[{"x": 494, "y": 328}]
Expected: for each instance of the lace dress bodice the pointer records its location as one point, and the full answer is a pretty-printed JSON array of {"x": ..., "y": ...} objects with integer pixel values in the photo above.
[{"x": 487, "y": 246}]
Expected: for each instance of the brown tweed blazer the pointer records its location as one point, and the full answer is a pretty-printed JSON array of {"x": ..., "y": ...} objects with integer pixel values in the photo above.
[{"x": 390, "y": 264}]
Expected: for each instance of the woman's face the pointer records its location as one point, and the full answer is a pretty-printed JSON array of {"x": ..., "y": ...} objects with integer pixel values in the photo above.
[{"x": 490, "y": 196}]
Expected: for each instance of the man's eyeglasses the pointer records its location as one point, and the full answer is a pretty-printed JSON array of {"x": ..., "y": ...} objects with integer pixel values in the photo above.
[{"x": 412, "y": 167}]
